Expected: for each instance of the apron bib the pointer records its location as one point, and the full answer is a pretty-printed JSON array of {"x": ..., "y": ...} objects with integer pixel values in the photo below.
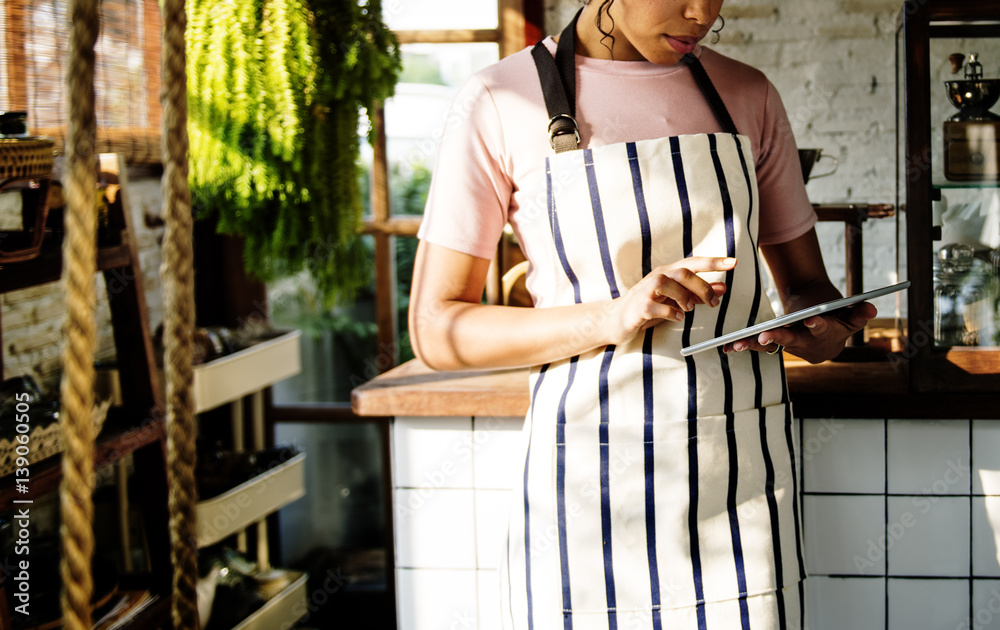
[{"x": 658, "y": 491}]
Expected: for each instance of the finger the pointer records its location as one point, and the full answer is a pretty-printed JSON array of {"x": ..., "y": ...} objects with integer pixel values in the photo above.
[
  {"x": 700, "y": 264},
  {"x": 861, "y": 313},
  {"x": 779, "y": 336},
  {"x": 657, "y": 312},
  {"x": 683, "y": 287},
  {"x": 687, "y": 288}
]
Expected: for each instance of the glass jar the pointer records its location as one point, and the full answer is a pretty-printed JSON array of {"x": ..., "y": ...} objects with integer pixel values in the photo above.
[{"x": 964, "y": 298}]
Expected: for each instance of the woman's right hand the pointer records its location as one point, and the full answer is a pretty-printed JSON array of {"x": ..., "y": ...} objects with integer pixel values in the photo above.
[{"x": 667, "y": 293}]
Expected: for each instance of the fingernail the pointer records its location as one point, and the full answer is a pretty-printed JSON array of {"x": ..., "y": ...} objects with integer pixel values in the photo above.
[
  {"x": 679, "y": 316},
  {"x": 766, "y": 342},
  {"x": 729, "y": 261},
  {"x": 714, "y": 301},
  {"x": 812, "y": 325},
  {"x": 690, "y": 305}
]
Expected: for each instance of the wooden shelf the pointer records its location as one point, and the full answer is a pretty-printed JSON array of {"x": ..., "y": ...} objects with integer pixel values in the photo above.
[
  {"x": 48, "y": 268},
  {"x": 118, "y": 438},
  {"x": 249, "y": 502}
]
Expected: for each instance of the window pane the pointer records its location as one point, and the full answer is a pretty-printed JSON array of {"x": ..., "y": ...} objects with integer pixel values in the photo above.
[
  {"x": 410, "y": 15},
  {"x": 415, "y": 122},
  {"x": 415, "y": 116}
]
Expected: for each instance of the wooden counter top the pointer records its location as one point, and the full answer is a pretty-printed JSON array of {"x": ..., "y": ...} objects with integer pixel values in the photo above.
[{"x": 834, "y": 389}]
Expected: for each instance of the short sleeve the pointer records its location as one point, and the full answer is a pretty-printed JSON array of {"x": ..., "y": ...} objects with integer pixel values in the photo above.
[
  {"x": 786, "y": 212},
  {"x": 470, "y": 187}
]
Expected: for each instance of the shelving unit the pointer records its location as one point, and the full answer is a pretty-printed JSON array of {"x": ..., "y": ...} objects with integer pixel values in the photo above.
[
  {"x": 136, "y": 427},
  {"x": 935, "y": 365},
  {"x": 231, "y": 380}
]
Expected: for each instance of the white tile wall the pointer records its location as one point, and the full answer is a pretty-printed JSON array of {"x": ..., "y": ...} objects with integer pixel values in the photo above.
[
  {"x": 928, "y": 457},
  {"x": 497, "y": 449},
  {"x": 428, "y": 599},
  {"x": 928, "y": 536},
  {"x": 435, "y": 528},
  {"x": 827, "y": 603},
  {"x": 843, "y": 455},
  {"x": 926, "y": 495},
  {"x": 986, "y": 457},
  {"x": 844, "y": 535},
  {"x": 432, "y": 452},
  {"x": 928, "y": 604},
  {"x": 870, "y": 509},
  {"x": 451, "y": 502},
  {"x": 986, "y": 604},
  {"x": 986, "y": 536}
]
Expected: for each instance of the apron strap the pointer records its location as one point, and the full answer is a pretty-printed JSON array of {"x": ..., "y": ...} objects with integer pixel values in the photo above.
[
  {"x": 711, "y": 94},
  {"x": 558, "y": 78}
]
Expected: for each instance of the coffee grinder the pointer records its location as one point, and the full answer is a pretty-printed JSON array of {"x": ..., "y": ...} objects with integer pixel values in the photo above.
[{"x": 972, "y": 136}]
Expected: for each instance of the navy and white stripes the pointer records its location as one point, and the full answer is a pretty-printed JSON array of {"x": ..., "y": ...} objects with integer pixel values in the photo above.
[{"x": 657, "y": 490}]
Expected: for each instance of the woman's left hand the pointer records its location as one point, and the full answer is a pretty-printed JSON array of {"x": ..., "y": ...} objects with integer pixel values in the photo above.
[{"x": 815, "y": 339}]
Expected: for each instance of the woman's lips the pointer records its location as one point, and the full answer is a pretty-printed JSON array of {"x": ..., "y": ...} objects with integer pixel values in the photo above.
[{"x": 683, "y": 45}]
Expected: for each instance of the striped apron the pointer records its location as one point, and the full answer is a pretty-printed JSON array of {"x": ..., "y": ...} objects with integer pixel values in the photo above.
[{"x": 657, "y": 491}]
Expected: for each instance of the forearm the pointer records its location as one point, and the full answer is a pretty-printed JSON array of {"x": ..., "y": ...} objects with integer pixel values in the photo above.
[{"x": 457, "y": 335}]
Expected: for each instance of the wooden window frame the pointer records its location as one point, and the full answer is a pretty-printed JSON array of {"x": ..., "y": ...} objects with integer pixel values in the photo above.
[{"x": 520, "y": 22}]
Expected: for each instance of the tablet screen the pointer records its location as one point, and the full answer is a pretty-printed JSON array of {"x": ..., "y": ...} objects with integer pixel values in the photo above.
[{"x": 791, "y": 318}]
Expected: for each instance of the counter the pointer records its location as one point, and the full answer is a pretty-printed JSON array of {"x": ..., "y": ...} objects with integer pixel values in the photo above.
[
  {"x": 864, "y": 389},
  {"x": 900, "y": 493}
]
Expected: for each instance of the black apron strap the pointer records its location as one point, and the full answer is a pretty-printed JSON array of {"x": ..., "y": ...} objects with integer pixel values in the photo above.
[
  {"x": 558, "y": 79},
  {"x": 711, "y": 94}
]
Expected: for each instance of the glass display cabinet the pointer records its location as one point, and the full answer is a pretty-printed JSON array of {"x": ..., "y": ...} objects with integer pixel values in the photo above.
[{"x": 948, "y": 169}]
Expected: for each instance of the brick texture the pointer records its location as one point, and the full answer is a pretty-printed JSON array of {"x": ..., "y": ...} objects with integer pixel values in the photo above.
[{"x": 32, "y": 318}]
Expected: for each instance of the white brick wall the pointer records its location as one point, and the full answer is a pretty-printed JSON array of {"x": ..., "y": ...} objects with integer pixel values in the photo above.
[{"x": 32, "y": 318}]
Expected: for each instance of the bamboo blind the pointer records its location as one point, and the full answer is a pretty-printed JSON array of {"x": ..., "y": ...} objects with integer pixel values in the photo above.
[{"x": 33, "y": 53}]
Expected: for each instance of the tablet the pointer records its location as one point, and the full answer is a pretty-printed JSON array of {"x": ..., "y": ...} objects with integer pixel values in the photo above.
[{"x": 791, "y": 318}]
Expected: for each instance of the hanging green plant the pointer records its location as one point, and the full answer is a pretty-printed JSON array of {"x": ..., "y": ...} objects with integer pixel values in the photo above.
[{"x": 275, "y": 93}]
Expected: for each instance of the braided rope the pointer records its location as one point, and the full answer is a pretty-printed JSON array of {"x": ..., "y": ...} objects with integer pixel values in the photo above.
[
  {"x": 79, "y": 330},
  {"x": 178, "y": 287}
]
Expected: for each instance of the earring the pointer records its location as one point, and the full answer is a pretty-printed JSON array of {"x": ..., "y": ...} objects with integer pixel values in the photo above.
[{"x": 716, "y": 31}]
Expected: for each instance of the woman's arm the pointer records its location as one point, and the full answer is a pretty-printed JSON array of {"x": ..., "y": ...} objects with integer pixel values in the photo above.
[
  {"x": 799, "y": 274},
  {"x": 450, "y": 329}
]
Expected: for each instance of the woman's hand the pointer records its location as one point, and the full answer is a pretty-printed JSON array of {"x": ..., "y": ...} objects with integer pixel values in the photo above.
[
  {"x": 815, "y": 339},
  {"x": 801, "y": 279},
  {"x": 666, "y": 294}
]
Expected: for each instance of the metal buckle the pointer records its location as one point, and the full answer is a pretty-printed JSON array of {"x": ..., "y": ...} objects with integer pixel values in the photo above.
[{"x": 552, "y": 134}]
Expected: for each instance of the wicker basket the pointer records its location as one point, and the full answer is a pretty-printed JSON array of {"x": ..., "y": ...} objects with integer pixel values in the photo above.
[
  {"x": 45, "y": 441},
  {"x": 26, "y": 158}
]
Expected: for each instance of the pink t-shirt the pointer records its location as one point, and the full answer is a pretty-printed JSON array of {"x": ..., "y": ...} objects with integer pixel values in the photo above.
[{"x": 491, "y": 161}]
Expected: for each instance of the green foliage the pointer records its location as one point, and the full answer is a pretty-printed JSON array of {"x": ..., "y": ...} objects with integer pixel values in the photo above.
[{"x": 275, "y": 92}]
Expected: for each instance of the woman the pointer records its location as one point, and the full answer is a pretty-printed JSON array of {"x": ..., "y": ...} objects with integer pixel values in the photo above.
[{"x": 640, "y": 175}]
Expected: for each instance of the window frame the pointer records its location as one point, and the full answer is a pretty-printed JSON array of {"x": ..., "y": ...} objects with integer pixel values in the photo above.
[{"x": 519, "y": 22}]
